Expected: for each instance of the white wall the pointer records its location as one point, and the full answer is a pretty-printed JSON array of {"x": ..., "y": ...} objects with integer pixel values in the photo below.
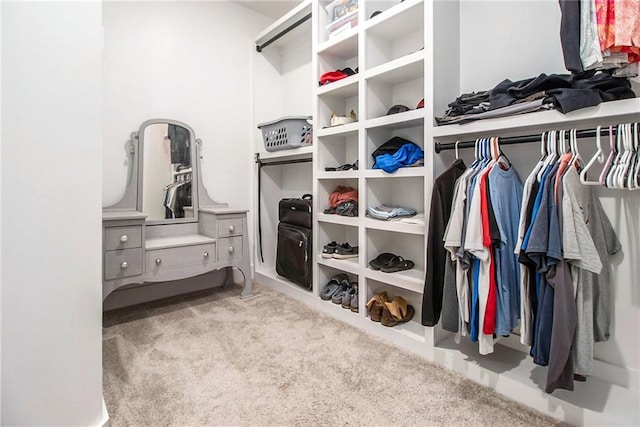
[
  {"x": 188, "y": 61},
  {"x": 51, "y": 213},
  {"x": 518, "y": 40}
]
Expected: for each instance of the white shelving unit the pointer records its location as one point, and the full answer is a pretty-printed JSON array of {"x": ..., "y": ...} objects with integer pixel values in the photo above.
[
  {"x": 282, "y": 86},
  {"x": 413, "y": 50}
]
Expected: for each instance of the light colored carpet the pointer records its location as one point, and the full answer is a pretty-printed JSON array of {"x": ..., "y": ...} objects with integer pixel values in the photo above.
[{"x": 212, "y": 359}]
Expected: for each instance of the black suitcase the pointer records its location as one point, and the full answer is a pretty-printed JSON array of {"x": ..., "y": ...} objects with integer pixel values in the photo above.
[
  {"x": 296, "y": 211},
  {"x": 293, "y": 256},
  {"x": 294, "y": 247}
]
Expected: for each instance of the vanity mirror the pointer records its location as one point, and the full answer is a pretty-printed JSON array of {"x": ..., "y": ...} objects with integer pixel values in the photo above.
[{"x": 166, "y": 227}]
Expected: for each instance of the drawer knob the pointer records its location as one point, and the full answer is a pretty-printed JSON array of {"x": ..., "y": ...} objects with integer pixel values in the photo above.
[
  {"x": 205, "y": 254},
  {"x": 232, "y": 229},
  {"x": 158, "y": 261},
  {"x": 124, "y": 265},
  {"x": 230, "y": 249},
  {"x": 124, "y": 238}
]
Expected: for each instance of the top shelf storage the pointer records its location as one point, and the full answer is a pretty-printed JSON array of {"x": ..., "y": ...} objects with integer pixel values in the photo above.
[{"x": 294, "y": 18}]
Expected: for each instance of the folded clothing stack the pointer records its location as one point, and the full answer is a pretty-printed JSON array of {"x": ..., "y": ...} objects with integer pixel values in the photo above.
[
  {"x": 386, "y": 212},
  {"x": 343, "y": 201},
  {"x": 395, "y": 154}
]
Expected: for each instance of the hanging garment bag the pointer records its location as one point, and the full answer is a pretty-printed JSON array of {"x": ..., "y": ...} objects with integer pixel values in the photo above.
[{"x": 294, "y": 248}]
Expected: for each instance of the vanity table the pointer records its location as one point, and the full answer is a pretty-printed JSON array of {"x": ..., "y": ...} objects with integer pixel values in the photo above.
[{"x": 166, "y": 227}]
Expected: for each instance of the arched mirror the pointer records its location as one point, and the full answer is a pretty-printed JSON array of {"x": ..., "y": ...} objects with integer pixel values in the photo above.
[{"x": 167, "y": 190}]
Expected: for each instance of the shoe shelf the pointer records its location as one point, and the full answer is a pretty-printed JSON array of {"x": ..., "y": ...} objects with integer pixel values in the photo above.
[
  {"x": 412, "y": 280},
  {"x": 395, "y": 226},
  {"x": 337, "y": 174},
  {"x": 349, "y": 265},
  {"x": 338, "y": 219},
  {"x": 345, "y": 88},
  {"x": 337, "y": 151}
]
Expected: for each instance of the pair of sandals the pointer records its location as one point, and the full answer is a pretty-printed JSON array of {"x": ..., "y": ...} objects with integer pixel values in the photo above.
[
  {"x": 390, "y": 263},
  {"x": 340, "y": 291},
  {"x": 389, "y": 313},
  {"x": 345, "y": 167}
]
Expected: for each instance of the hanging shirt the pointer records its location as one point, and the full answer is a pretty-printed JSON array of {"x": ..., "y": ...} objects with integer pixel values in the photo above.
[
  {"x": 482, "y": 264},
  {"x": 580, "y": 252},
  {"x": 506, "y": 198},
  {"x": 453, "y": 243},
  {"x": 440, "y": 267},
  {"x": 545, "y": 254}
]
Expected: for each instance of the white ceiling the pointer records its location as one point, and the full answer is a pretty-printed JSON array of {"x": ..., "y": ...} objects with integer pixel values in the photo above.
[{"x": 272, "y": 8}]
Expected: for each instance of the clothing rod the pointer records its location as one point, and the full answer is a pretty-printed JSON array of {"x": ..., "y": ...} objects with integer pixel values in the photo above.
[
  {"x": 283, "y": 32},
  {"x": 279, "y": 162},
  {"x": 509, "y": 140}
]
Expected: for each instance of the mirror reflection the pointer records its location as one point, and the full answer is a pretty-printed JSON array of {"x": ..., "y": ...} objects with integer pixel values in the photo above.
[{"x": 167, "y": 172}]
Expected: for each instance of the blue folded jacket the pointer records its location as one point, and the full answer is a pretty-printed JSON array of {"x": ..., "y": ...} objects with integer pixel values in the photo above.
[{"x": 406, "y": 155}]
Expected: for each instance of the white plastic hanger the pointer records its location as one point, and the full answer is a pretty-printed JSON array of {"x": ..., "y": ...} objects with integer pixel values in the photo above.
[
  {"x": 609, "y": 161},
  {"x": 457, "y": 156},
  {"x": 599, "y": 156},
  {"x": 573, "y": 147}
]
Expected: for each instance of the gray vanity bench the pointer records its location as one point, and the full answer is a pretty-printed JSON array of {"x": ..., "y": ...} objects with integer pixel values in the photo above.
[{"x": 152, "y": 236}]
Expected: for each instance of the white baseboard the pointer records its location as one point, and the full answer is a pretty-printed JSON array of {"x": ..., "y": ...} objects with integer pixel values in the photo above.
[{"x": 104, "y": 422}]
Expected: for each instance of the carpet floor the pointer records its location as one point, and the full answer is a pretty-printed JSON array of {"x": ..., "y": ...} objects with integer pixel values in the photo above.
[{"x": 210, "y": 358}]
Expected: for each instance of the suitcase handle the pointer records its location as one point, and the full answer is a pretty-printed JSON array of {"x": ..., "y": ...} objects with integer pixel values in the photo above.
[{"x": 307, "y": 196}]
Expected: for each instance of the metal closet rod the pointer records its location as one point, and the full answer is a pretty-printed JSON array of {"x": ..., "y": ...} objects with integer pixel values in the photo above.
[
  {"x": 283, "y": 32},
  {"x": 509, "y": 140},
  {"x": 280, "y": 162}
]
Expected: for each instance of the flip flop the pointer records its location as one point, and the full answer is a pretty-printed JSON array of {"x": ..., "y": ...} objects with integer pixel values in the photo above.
[
  {"x": 332, "y": 286},
  {"x": 396, "y": 264},
  {"x": 379, "y": 261}
]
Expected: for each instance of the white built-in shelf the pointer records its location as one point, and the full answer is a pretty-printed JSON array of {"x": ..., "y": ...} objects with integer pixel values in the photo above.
[
  {"x": 294, "y": 15},
  {"x": 345, "y": 88},
  {"x": 401, "y": 19},
  {"x": 350, "y": 174},
  {"x": 606, "y": 113},
  {"x": 411, "y": 280},
  {"x": 411, "y": 118},
  {"x": 290, "y": 154},
  {"x": 349, "y": 265},
  {"x": 394, "y": 226},
  {"x": 400, "y": 70},
  {"x": 402, "y": 172},
  {"x": 412, "y": 329},
  {"x": 339, "y": 137},
  {"x": 343, "y": 46},
  {"x": 338, "y": 219},
  {"x": 338, "y": 130},
  {"x": 176, "y": 241}
]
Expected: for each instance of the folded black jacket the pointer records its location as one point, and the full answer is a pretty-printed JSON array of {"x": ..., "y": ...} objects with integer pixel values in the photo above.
[
  {"x": 567, "y": 92},
  {"x": 390, "y": 147}
]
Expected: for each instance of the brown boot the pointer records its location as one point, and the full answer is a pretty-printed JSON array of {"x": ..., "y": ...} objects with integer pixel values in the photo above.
[{"x": 376, "y": 304}]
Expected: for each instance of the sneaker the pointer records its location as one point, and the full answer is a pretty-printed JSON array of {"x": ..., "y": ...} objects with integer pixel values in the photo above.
[
  {"x": 345, "y": 250},
  {"x": 329, "y": 249}
]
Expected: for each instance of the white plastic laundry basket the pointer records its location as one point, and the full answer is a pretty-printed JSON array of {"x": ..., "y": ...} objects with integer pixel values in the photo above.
[{"x": 287, "y": 132}]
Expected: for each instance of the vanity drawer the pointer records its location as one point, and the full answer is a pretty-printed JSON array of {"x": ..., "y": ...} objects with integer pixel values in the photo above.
[
  {"x": 229, "y": 227},
  {"x": 122, "y": 237},
  {"x": 163, "y": 259},
  {"x": 122, "y": 263},
  {"x": 229, "y": 248}
]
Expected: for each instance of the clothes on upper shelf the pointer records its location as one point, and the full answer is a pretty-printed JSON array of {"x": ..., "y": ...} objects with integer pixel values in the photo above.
[
  {"x": 563, "y": 92},
  {"x": 601, "y": 35},
  {"x": 334, "y": 76},
  {"x": 533, "y": 255}
]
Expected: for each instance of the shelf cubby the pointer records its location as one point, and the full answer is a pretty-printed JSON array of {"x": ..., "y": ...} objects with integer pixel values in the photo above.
[
  {"x": 403, "y": 85},
  {"x": 337, "y": 150},
  {"x": 376, "y": 137},
  {"x": 404, "y": 192}
]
